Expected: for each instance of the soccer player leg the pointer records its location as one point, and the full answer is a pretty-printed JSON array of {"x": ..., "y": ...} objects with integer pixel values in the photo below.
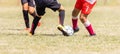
[
  {"x": 75, "y": 13},
  {"x": 61, "y": 21},
  {"x": 83, "y": 17},
  {"x": 31, "y": 8},
  {"x": 61, "y": 15},
  {"x": 33, "y": 13},
  {"x": 55, "y": 6},
  {"x": 66, "y": 31},
  {"x": 34, "y": 24},
  {"x": 25, "y": 13},
  {"x": 87, "y": 24},
  {"x": 40, "y": 13}
]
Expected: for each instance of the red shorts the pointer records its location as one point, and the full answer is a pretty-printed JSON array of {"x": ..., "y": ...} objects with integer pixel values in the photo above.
[{"x": 85, "y": 5}]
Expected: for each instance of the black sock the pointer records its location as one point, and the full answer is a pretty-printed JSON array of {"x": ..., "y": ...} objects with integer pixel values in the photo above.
[
  {"x": 61, "y": 16},
  {"x": 26, "y": 18},
  {"x": 34, "y": 24}
]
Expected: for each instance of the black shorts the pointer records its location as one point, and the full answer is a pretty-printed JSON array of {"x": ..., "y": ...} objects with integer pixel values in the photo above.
[
  {"x": 41, "y": 5},
  {"x": 30, "y": 2}
]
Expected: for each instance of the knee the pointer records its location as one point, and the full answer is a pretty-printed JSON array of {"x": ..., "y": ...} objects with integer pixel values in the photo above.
[
  {"x": 61, "y": 8},
  {"x": 25, "y": 6},
  {"x": 31, "y": 12},
  {"x": 83, "y": 18}
]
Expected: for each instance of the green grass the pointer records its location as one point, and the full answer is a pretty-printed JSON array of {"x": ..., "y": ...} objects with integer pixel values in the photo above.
[{"x": 48, "y": 40}]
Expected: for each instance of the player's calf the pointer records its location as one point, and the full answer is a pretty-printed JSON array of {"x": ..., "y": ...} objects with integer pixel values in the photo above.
[{"x": 34, "y": 24}]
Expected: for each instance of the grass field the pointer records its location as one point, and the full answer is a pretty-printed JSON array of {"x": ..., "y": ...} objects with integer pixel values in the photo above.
[{"x": 48, "y": 40}]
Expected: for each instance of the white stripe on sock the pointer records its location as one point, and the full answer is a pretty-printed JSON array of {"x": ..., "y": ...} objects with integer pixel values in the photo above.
[
  {"x": 75, "y": 17},
  {"x": 87, "y": 23}
]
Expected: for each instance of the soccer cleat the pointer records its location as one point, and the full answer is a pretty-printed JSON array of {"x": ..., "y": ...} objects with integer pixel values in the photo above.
[
  {"x": 76, "y": 29},
  {"x": 92, "y": 34},
  {"x": 30, "y": 34},
  {"x": 62, "y": 29}
]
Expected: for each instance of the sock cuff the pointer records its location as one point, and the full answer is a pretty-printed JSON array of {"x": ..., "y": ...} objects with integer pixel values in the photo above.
[
  {"x": 33, "y": 14},
  {"x": 87, "y": 23},
  {"x": 62, "y": 12},
  {"x": 37, "y": 17},
  {"x": 74, "y": 17},
  {"x": 25, "y": 10}
]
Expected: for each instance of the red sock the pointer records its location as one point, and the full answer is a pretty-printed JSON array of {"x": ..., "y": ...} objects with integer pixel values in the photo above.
[
  {"x": 74, "y": 22},
  {"x": 90, "y": 30},
  {"x": 89, "y": 27}
]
